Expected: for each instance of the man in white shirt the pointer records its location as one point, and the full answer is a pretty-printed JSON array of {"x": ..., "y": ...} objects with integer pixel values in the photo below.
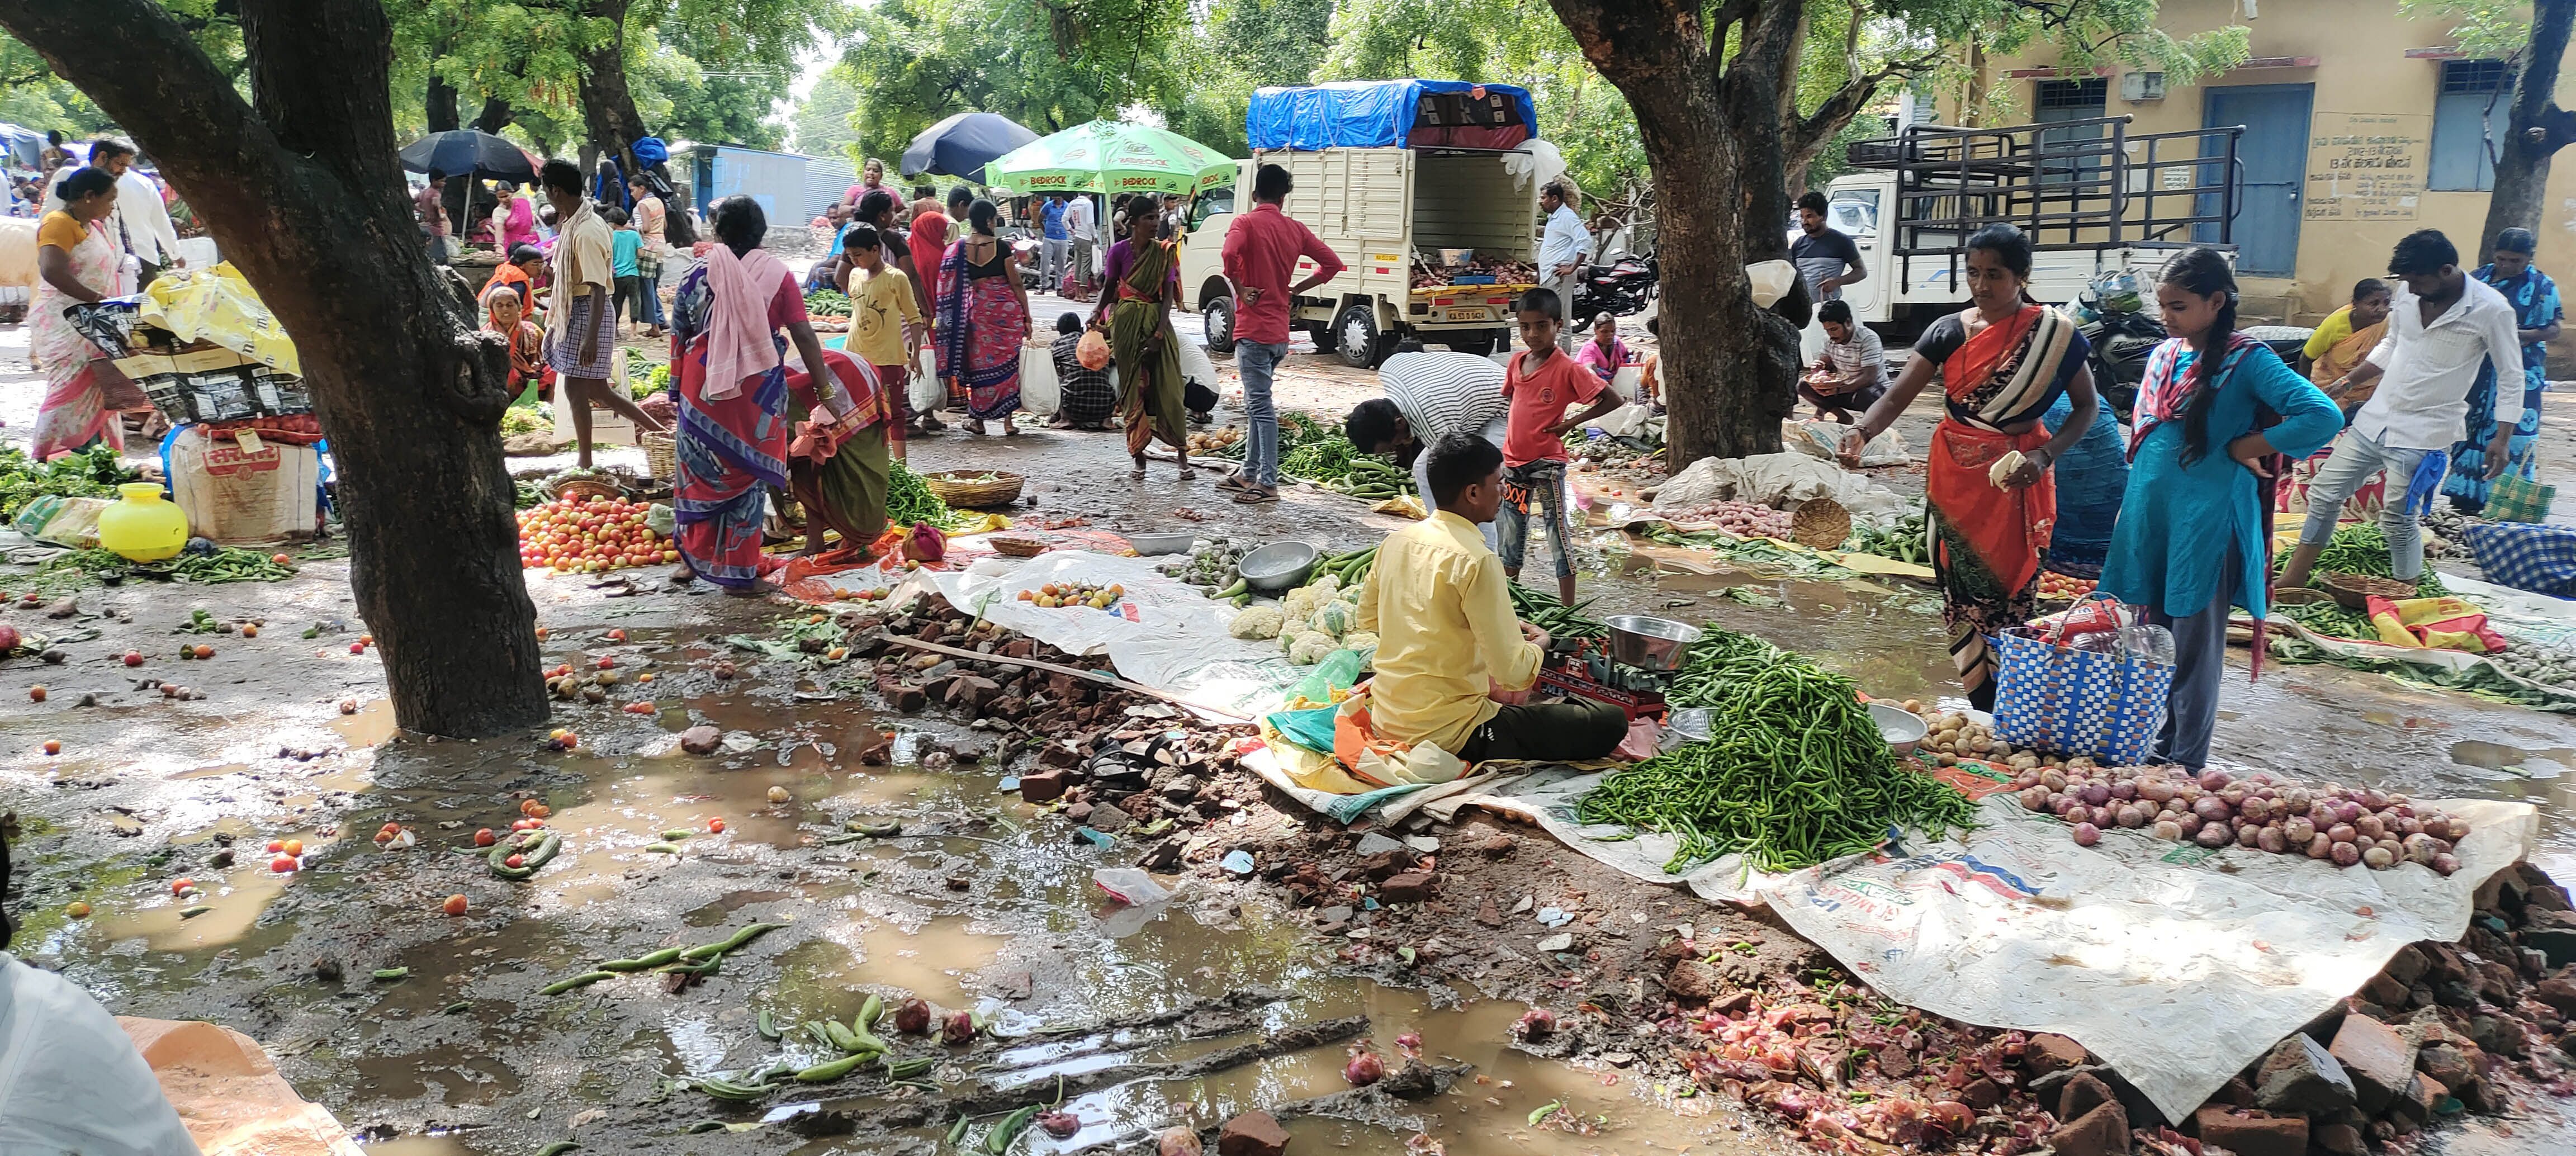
[
  {"x": 70, "y": 1079},
  {"x": 1562, "y": 253},
  {"x": 143, "y": 223},
  {"x": 1430, "y": 396},
  {"x": 2443, "y": 326},
  {"x": 1077, "y": 221}
]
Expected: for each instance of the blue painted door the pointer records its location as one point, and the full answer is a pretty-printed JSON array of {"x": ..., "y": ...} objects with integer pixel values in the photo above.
[{"x": 2273, "y": 156}]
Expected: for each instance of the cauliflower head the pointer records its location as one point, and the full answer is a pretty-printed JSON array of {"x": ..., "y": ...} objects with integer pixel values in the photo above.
[
  {"x": 1257, "y": 622},
  {"x": 1312, "y": 647},
  {"x": 1299, "y": 603},
  {"x": 1359, "y": 640}
]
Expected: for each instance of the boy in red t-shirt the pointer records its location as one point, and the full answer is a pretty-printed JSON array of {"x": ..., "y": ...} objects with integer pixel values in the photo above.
[{"x": 1539, "y": 384}]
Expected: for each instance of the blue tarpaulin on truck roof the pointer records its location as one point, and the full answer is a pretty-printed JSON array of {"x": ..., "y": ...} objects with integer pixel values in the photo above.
[{"x": 1391, "y": 114}]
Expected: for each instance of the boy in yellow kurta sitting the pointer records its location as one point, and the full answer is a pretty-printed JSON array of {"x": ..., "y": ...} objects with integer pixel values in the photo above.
[{"x": 1447, "y": 637}]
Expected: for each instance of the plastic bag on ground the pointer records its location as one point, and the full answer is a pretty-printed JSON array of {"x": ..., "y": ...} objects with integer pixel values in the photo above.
[
  {"x": 1780, "y": 480},
  {"x": 1129, "y": 885},
  {"x": 1038, "y": 391},
  {"x": 1823, "y": 440}
]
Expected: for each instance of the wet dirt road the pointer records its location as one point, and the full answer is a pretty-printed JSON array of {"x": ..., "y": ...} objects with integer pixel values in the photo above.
[{"x": 984, "y": 903}]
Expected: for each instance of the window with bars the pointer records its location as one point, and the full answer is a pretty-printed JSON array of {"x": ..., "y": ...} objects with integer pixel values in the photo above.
[
  {"x": 2054, "y": 101},
  {"x": 2462, "y": 122}
]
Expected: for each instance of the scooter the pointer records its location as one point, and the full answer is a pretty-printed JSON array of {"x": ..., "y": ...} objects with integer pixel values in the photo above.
[{"x": 1620, "y": 288}]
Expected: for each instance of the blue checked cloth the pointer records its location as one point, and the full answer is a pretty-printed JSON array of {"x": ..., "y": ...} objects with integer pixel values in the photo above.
[{"x": 2541, "y": 559}]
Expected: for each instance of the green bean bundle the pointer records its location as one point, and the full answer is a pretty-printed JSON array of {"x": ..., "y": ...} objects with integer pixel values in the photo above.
[
  {"x": 1542, "y": 610},
  {"x": 1796, "y": 772}
]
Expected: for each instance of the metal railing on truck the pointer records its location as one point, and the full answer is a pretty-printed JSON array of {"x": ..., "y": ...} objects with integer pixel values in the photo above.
[{"x": 2068, "y": 185}]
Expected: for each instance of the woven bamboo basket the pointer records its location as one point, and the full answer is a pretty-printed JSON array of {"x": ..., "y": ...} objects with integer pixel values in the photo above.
[
  {"x": 584, "y": 489},
  {"x": 2353, "y": 591},
  {"x": 954, "y": 488},
  {"x": 661, "y": 457},
  {"x": 1017, "y": 545},
  {"x": 1821, "y": 523}
]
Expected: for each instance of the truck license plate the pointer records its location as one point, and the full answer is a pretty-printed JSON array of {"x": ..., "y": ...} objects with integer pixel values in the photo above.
[{"x": 1468, "y": 315}]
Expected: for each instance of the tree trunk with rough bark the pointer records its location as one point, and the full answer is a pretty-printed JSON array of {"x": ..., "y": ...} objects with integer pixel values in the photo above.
[
  {"x": 2535, "y": 128},
  {"x": 1714, "y": 131},
  {"x": 301, "y": 188},
  {"x": 607, "y": 104},
  {"x": 439, "y": 105},
  {"x": 496, "y": 115}
]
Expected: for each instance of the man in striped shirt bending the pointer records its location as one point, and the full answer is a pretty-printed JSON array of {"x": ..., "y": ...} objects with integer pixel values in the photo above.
[{"x": 1428, "y": 397}]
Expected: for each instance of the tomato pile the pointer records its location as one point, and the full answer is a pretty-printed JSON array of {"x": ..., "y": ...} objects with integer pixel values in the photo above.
[
  {"x": 588, "y": 535},
  {"x": 2059, "y": 587}
]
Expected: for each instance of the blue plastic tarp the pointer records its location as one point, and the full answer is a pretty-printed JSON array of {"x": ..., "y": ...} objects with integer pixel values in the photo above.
[{"x": 1385, "y": 114}]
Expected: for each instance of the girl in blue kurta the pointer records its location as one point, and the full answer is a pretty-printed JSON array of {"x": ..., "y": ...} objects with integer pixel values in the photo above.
[{"x": 2194, "y": 533}]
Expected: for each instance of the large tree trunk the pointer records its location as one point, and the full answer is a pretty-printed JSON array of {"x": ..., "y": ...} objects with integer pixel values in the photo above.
[
  {"x": 2534, "y": 130},
  {"x": 496, "y": 115},
  {"x": 607, "y": 105},
  {"x": 1715, "y": 137},
  {"x": 300, "y": 188},
  {"x": 440, "y": 105}
]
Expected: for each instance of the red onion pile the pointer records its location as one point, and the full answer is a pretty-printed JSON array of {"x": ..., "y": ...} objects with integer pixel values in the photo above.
[
  {"x": 2344, "y": 826},
  {"x": 1742, "y": 519}
]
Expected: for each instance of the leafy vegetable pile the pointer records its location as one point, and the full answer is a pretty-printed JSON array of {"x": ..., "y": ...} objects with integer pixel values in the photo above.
[
  {"x": 91, "y": 473},
  {"x": 1798, "y": 774},
  {"x": 1339, "y": 466},
  {"x": 644, "y": 379},
  {"x": 909, "y": 502},
  {"x": 1296, "y": 431}
]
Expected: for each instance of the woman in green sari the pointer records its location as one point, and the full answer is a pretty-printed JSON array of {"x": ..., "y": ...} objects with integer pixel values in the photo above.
[{"x": 1146, "y": 277}]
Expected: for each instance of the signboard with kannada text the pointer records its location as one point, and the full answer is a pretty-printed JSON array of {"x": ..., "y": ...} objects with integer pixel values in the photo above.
[{"x": 2367, "y": 166}]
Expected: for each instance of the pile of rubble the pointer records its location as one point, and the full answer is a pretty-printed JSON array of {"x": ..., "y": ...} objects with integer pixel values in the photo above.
[
  {"x": 1113, "y": 761},
  {"x": 2442, "y": 1030}
]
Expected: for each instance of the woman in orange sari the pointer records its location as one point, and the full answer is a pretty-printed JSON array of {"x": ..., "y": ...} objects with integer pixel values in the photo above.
[{"x": 1989, "y": 499}]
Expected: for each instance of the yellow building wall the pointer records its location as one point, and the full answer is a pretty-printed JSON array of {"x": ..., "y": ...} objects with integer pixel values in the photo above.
[{"x": 2362, "y": 70}]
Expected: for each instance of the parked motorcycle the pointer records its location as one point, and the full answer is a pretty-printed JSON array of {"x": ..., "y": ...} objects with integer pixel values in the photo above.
[
  {"x": 1620, "y": 288},
  {"x": 2122, "y": 341}
]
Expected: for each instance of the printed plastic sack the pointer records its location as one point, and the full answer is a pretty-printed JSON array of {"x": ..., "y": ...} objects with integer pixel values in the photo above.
[
  {"x": 2434, "y": 624},
  {"x": 2515, "y": 498},
  {"x": 61, "y": 521},
  {"x": 1385, "y": 762},
  {"x": 926, "y": 392},
  {"x": 1038, "y": 391}
]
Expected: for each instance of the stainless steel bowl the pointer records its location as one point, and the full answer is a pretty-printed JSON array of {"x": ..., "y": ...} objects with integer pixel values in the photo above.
[
  {"x": 1647, "y": 642},
  {"x": 1902, "y": 728},
  {"x": 1150, "y": 544},
  {"x": 1278, "y": 567}
]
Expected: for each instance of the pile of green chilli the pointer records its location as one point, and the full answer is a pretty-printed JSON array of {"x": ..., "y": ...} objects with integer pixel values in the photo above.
[{"x": 1795, "y": 772}]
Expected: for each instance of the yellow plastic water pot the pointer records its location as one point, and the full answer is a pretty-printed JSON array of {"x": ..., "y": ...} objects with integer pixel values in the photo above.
[{"x": 142, "y": 526}]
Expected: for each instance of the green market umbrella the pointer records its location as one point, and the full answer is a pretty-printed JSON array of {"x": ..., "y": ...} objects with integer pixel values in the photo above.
[{"x": 1109, "y": 158}]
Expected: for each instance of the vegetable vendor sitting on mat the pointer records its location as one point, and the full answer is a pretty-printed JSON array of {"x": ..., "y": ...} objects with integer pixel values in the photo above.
[{"x": 1447, "y": 638}]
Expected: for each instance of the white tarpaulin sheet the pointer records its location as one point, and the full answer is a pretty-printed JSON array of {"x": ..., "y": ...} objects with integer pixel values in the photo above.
[
  {"x": 1162, "y": 632},
  {"x": 2175, "y": 964}
]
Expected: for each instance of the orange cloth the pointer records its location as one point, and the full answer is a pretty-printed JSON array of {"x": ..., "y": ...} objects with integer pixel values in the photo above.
[{"x": 2007, "y": 528}]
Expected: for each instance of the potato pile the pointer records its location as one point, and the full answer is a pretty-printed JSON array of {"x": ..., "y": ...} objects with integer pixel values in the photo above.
[
  {"x": 2344, "y": 826},
  {"x": 1955, "y": 736},
  {"x": 1742, "y": 519},
  {"x": 1214, "y": 441}
]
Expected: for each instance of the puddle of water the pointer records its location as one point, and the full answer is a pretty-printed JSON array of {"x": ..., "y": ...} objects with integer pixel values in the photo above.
[
  {"x": 461, "y": 1077},
  {"x": 2498, "y": 756},
  {"x": 373, "y": 724},
  {"x": 236, "y": 896}
]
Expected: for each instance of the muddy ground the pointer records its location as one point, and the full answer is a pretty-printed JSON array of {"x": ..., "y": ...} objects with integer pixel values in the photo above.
[{"x": 986, "y": 902}]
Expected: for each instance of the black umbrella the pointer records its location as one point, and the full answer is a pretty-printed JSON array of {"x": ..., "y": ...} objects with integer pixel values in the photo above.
[
  {"x": 962, "y": 145},
  {"x": 465, "y": 151}
]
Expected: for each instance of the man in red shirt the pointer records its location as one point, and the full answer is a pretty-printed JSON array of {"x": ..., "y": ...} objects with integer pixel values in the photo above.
[
  {"x": 431, "y": 203},
  {"x": 1540, "y": 383},
  {"x": 1261, "y": 252}
]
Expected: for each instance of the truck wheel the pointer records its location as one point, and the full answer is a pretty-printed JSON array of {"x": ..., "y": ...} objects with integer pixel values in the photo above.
[
  {"x": 1356, "y": 337},
  {"x": 1218, "y": 319}
]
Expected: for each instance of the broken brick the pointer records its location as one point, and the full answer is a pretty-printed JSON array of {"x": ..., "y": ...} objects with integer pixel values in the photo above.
[
  {"x": 1042, "y": 786},
  {"x": 2048, "y": 1052},
  {"x": 2104, "y": 1131},
  {"x": 1409, "y": 887},
  {"x": 2252, "y": 1134},
  {"x": 2376, "y": 1057},
  {"x": 1252, "y": 1134}
]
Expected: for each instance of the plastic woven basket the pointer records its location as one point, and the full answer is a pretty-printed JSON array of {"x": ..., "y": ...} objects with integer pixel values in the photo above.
[
  {"x": 661, "y": 456},
  {"x": 966, "y": 487}
]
